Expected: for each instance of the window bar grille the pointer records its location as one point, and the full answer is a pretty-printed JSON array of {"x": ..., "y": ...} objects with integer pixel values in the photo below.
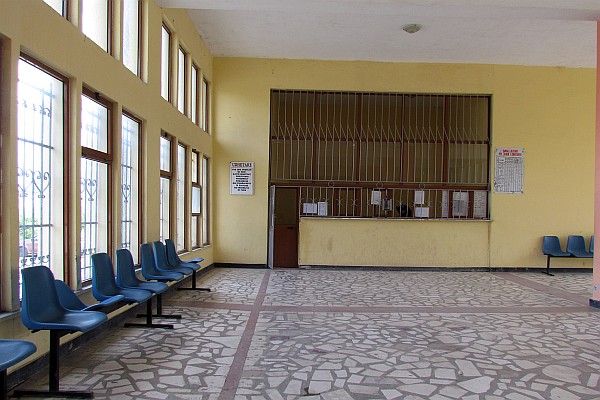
[
  {"x": 399, "y": 144},
  {"x": 38, "y": 92}
]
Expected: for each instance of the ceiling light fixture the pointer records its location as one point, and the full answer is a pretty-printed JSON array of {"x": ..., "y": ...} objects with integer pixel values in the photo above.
[{"x": 411, "y": 28}]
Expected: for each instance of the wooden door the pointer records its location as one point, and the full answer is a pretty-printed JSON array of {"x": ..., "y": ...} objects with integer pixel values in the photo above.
[{"x": 285, "y": 240}]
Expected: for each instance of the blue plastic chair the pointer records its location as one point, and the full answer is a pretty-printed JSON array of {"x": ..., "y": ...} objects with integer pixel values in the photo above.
[
  {"x": 127, "y": 278},
  {"x": 12, "y": 352},
  {"x": 70, "y": 301},
  {"x": 104, "y": 285},
  {"x": 41, "y": 310},
  {"x": 551, "y": 248},
  {"x": 592, "y": 244},
  {"x": 160, "y": 258},
  {"x": 576, "y": 246},
  {"x": 150, "y": 271},
  {"x": 174, "y": 260}
]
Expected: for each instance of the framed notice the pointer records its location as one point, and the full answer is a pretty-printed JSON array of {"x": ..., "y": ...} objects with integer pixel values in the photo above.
[
  {"x": 242, "y": 178},
  {"x": 510, "y": 170}
]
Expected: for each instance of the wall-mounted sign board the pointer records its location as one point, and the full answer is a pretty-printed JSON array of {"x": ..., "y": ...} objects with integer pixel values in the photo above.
[
  {"x": 242, "y": 178},
  {"x": 510, "y": 170}
]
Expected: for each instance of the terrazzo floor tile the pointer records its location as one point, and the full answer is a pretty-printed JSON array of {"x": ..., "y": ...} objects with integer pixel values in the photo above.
[
  {"x": 573, "y": 282},
  {"x": 333, "y": 335},
  {"x": 399, "y": 288},
  {"x": 228, "y": 285}
]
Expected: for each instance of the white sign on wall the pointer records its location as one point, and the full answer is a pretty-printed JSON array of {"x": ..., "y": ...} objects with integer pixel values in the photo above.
[
  {"x": 242, "y": 178},
  {"x": 510, "y": 170}
]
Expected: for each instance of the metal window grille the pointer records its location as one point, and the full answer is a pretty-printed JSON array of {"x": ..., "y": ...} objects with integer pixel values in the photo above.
[
  {"x": 129, "y": 183},
  {"x": 206, "y": 184},
  {"x": 402, "y": 155},
  {"x": 165, "y": 188},
  {"x": 165, "y": 209},
  {"x": 40, "y": 125},
  {"x": 181, "y": 212},
  {"x": 94, "y": 184}
]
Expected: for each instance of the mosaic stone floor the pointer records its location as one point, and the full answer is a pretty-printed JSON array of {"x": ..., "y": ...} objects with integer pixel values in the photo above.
[{"x": 318, "y": 334}]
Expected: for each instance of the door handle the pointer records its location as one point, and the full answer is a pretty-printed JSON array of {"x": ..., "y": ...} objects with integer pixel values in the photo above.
[{"x": 290, "y": 227}]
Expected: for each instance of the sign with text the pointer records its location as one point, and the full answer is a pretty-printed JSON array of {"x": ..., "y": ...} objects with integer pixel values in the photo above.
[
  {"x": 510, "y": 170},
  {"x": 242, "y": 178}
]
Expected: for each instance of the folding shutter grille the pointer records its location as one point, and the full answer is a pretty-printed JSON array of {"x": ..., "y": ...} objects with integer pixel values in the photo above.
[{"x": 426, "y": 154}]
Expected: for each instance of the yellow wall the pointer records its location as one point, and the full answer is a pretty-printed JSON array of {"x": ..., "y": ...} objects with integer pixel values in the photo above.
[
  {"x": 32, "y": 27},
  {"x": 547, "y": 111}
]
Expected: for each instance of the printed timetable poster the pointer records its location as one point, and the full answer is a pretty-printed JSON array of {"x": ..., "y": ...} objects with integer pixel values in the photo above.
[
  {"x": 510, "y": 170},
  {"x": 242, "y": 177}
]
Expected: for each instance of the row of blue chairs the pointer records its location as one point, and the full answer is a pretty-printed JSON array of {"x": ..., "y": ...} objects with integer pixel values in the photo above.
[
  {"x": 50, "y": 304},
  {"x": 576, "y": 247}
]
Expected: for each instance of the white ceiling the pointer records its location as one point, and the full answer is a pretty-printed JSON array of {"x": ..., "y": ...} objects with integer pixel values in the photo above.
[{"x": 521, "y": 32}]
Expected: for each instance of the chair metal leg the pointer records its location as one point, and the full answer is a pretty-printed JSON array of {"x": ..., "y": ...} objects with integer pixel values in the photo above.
[
  {"x": 3, "y": 389},
  {"x": 149, "y": 323},
  {"x": 54, "y": 376},
  {"x": 159, "y": 312},
  {"x": 547, "y": 271},
  {"x": 194, "y": 285}
]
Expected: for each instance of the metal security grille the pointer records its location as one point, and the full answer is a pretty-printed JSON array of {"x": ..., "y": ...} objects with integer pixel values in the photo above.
[{"x": 404, "y": 155}]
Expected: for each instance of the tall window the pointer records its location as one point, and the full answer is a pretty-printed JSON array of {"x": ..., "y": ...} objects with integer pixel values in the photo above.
[
  {"x": 165, "y": 64},
  {"x": 131, "y": 35},
  {"x": 205, "y": 105},
  {"x": 130, "y": 184},
  {"x": 181, "y": 80},
  {"x": 58, "y": 5},
  {"x": 165, "y": 188},
  {"x": 95, "y": 18},
  {"x": 194, "y": 94},
  {"x": 181, "y": 196},
  {"x": 205, "y": 201},
  {"x": 195, "y": 227},
  {"x": 40, "y": 173},
  {"x": 95, "y": 179},
  {"x": 404, "y": 155}
]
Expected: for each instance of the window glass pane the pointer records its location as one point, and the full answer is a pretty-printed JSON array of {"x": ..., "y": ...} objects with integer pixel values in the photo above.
[
  {"x": 40, "y": 168},
  {"x": 194, "y": 94},
  {"x": 58, "y": 5},
  {"x": 165, "y": 63},
  {"x": 181, "y": 81},
  {"x": 131, "y": 34},
  {"x": 94, "y": 21},
  {"x": 94, "y": 125},
  {"x": 204, "y": 105},
  {"x": 194, "y": 232},
  {"x": 195, "y": 167},
  {"x": 196, "y": 197},
  {"x": 205, "y": 201},
  {"x": 165, "y": 209},
  {"x": 181, "y": 179},
  {"x": 165, "y": 154},
  {"x": 129, "y": 185},
  {"x": 94, "y": 213}
]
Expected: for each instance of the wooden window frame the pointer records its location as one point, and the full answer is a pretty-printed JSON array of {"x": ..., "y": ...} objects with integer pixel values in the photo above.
[
  {"x": 169, "y": 65},
  {"x": 186, "y": 215},
  {"x": 140, "y": 180},
  {"x": 138, "y": 73},
  {"x": 196, "y": 184},
  {"x": 182, "y": 92},
  {"x": 195, "y": 111},
  {"x": 104, "y": 158}
]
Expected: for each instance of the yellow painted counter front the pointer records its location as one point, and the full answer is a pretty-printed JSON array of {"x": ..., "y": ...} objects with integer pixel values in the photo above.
[{"x": 393, "y": 242}]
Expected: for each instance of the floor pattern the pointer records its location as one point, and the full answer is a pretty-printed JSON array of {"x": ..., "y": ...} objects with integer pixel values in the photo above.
[{"x": 317, "y": 334}]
